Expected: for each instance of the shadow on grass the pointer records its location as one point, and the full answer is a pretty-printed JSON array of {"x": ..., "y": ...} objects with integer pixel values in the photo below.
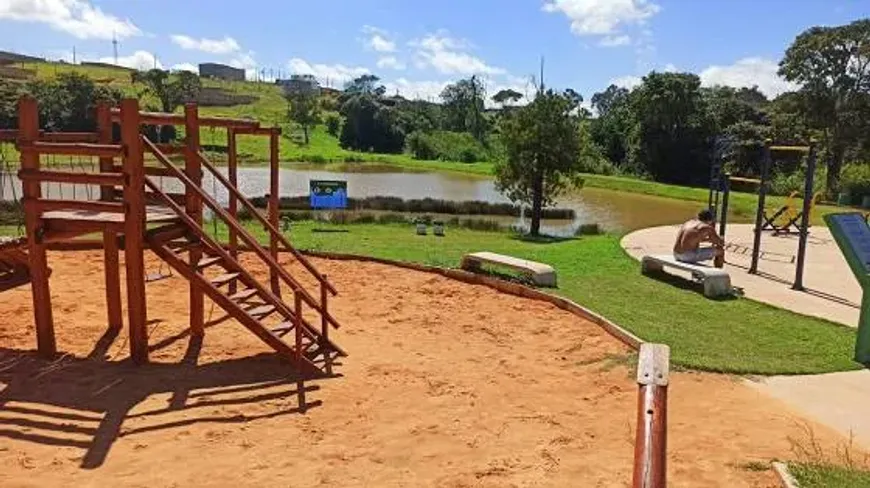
[
  {"x": 688, "y": 285},
  {"x": 542, "y": 239}
]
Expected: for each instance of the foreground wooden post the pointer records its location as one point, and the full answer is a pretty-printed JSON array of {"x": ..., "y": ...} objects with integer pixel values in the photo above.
[
  {"x": 233, "y": 174},
  {"x": 274, "y": 201},
  {"x": 111, "y": 264},
  {"x": 193, "y": 169},
  {"x": 28, "y": 126},
  {"x": 324, "y": 324},
  {"x": 650, "y": 446},
  {"x": 134, "y": 229}
]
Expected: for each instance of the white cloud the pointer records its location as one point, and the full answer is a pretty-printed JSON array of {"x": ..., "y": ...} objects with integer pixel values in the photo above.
[
  {"x": 390, "y": 62},
  {"x": 748, "y": 72},
  {"x": 602, "y": 17},
  {"x": 416, "y": 90},
  {"x": 378, "y": 40},
  {"x": 141, "y": 60},
  {"x": 628, "y": 81},
  {"x": 185, "y": 67},
  {"x": 75, "y": 17},
  {"x": 327, "y": 74},
  {"x": 614, "y": 41},
  {"x": 227, "y": 45},
  {"x": 449, "y": 56}
]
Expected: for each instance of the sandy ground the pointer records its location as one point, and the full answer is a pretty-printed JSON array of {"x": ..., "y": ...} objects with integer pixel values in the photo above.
[
  {"x": 832, "y": 291},
  {"x": 447, "y": 384}
]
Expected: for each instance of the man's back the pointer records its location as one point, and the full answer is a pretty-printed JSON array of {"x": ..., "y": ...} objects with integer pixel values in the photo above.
[{"x": 691, "y": 235}]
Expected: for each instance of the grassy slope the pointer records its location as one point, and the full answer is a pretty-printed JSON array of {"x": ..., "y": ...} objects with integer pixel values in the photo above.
[
  {"x": 829, "y": 476},
  {"x": 738, "y": 336}
]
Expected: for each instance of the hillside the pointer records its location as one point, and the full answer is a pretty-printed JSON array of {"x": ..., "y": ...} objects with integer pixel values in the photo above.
[{"x": 269, "y": 108}]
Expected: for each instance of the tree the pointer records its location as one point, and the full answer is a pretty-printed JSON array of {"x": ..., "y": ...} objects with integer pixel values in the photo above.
[
  {"x": 542, "y": 145},
  {"x": 170, "y": 90},
  {"x": 611, "y": 98},
  {"x": 610, "y": 130},
  {"x": 463, "y": 106},
  {"x": 365, "y": 85},
  {"x": 671, "y": 136},
  {"x": 304, "y": 110},
  {"x": 832, "y": 64},
  {"x": 68, "y": 102},
  {"x": 507, "y": 97},
  {"x": 370, "y": 124}
]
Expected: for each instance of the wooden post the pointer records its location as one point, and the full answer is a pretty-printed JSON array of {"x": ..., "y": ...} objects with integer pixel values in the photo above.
[
  {"x": 274, "y": 201},
  {"x": 300, "y": 383},
  {"x": 233, "y": 174},
  {"x": 324, "y": 325},
  {"x": 193, "y": 205},
  {"x": 111, "y": 264},
  {"x": 650, "y": 447},
  {"x": 28, "y": 126},
  {"x": 134, "y": 229}
]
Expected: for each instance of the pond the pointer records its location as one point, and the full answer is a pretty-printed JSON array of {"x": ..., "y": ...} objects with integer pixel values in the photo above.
[{"x": 612, "y": 210}]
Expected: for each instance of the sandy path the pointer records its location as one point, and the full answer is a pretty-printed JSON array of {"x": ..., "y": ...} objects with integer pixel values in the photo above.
[{"x": 447, "y": 384}]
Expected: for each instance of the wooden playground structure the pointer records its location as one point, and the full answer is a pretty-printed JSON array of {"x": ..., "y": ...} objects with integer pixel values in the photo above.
[{"x": 133, "y": 214}]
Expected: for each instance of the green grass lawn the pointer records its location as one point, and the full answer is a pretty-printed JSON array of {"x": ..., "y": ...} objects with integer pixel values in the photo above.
[
  {"x": 829, "y": 476},
  {"x": 733, "y": 336}
]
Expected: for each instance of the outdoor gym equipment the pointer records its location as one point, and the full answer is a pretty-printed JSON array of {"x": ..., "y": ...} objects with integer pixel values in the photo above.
[
  {"x": 720, "y": 187},
  {"x": 852, "y": 234}
]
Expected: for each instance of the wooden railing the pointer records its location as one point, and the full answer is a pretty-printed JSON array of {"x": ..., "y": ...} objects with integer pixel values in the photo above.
[
  {"x": 233, "y": 224},
  {"x": 650, "y": 447}
]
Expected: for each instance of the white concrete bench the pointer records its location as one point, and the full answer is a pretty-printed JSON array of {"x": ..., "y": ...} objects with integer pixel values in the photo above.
[
  {"x": 716, "y": 281},
  {"x": 541, "y": 274}
]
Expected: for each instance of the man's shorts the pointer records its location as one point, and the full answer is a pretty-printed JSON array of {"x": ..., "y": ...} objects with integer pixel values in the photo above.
[{"x": 696, "y": 256}]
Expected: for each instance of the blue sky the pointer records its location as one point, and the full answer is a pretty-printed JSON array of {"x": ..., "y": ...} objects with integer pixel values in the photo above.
[{"x": 418, "y": 46}]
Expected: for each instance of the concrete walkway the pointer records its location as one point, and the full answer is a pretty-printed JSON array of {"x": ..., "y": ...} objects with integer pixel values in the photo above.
[
  {"x": 838, "y": 400},
  {"x": 832, "y": 292}
]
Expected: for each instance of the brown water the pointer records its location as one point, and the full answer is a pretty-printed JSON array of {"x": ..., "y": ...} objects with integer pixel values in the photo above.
[{"x": 612, "y": 210}]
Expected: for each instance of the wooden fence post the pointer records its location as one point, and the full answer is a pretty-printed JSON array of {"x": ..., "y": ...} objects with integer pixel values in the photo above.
[
  {"x": 111, "y": 264},
  {"x": 650, "y": 446},
  {"x": 233, "y": 175},
  {"x": 193, "y": 169},
  {"x": 274, "y": 200}
]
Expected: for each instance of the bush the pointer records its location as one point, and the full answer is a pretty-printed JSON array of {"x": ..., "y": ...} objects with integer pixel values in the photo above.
[
  {"x": 786, "y": 183},
  {"x": 588, "y": 230},
  {"x": 447, "y": 146},
  {"x": 333, "y": 125},
  {"x": 855, "y": 180}
]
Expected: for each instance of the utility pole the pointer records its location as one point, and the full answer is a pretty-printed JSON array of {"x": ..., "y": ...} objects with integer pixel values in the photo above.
[
  {"x": 74, "y": 55},
  {"x": 115, "y": 46},
  {"x": 541, "y": 89}
]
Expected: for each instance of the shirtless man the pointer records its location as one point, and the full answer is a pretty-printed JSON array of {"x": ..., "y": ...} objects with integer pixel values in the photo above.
[{"x": 688, "y": 246}]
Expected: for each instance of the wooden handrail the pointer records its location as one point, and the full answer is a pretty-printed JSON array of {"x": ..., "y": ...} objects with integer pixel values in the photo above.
[
  {"x": 158, "y": 118},
  {"x": 115, "y": 179},
  {"x": 74, "y": 149},
  {"x": 650, "y": 446},
  {"x": 223, "y": 254},
  {"x": 243, "y": 233},
  {"x": 149, "y": 171},
  {"x": 268, "y": 225},
  {"x": 11, "y": 135}
]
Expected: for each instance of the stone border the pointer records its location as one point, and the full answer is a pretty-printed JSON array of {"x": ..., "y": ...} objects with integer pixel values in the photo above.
[
  {"x": 503, "y": 286},
  {"x": 785, "y": 477}
]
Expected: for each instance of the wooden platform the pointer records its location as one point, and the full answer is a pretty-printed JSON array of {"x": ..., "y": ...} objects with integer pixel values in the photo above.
[{"x": 153, "y": 214}]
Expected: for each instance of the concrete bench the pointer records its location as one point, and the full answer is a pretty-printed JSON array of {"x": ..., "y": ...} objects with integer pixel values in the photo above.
[
  {"x": 540, "y": 274},
  {"x": 716, "y": 281}
]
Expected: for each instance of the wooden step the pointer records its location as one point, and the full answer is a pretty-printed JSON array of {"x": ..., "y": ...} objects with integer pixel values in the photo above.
[
  {"x": 224, "y": 279},
  {"x": 206, "y": 262},
  {"x": 261, "y": 311},
  {"x": 179, "y": 247},
  {"x": 243, "y": 295}
]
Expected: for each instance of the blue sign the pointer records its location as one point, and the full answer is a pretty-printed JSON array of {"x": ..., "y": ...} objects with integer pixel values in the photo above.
[
  {"x": 853, "y": 228},
  {"x": 328, "y": 194}
]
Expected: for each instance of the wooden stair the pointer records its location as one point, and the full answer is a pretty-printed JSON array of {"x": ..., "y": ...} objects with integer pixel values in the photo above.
[{"x": 253, "y": 305}]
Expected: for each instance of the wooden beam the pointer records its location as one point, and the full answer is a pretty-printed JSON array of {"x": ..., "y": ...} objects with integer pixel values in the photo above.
[
  {"x": 274, "y": 192},
  {"x": 650, "y": 447},
  {"x": 48, "y": 205},
  {"x": 157, "y": 118},
  {"x": 28, "y": 123},
  {"x": 233, "y": 174},
  {"x": 134, "y": 249},
  {"x": 11, "y": 135},
  {"x": 193, "y": 206},
  {"x": 73, "y": 149},
  {"x": 110, "y": 179},
  {"x": 149, "y": 171}
]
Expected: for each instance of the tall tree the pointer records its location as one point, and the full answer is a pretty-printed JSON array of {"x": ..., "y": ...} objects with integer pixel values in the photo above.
[
  {"x": 170, "y": 90},
  {"x": 370, "y": 123},
  {"x": 671, "y": 137},
  {"x": 542, "y": 146},
  {"x": 463, "y": 106},
  {"x": 610, "y": 130},
  {"x": 304, "y": 110},
  {"x": 612, "y": 97},
  {"x": 833, "y": 66},
  {"x": 507, "y": 97}
]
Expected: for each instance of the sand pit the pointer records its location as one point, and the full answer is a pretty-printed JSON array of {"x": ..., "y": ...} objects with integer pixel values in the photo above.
[{"x": 447, "y": 384}]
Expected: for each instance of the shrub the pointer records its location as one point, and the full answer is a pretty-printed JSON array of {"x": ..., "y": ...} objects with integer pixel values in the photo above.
[
  {"x": 855, "y": 180},
  {"x": 447, "y": 146},
  {"x": 333, "y": 125},
  {"x": 592, "y": 229},
  {"x": 786, "y": 183}
]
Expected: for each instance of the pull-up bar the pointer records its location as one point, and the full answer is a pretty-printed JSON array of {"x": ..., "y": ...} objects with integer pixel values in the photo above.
[{"x": 803, "y": 149}]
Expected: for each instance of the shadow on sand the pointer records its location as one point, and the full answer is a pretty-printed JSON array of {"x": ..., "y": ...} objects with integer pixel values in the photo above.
[{"x": 89, "y": 403}]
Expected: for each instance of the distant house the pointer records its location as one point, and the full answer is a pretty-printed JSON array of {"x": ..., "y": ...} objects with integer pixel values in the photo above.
[
  {"x": 221, "y": 72},
  {"x": 299, "y": 84}
]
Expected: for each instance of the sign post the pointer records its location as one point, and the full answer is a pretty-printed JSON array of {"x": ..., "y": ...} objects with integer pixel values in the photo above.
[
  {"x": 328, "y": 194},
  {"x": 852, "y": 234}
]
